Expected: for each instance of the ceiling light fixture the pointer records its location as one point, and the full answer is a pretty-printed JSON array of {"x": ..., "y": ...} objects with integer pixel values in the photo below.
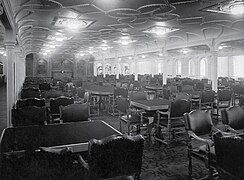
[
  {"x": 220, "y": 47},
  {"x": 184, "y": 51},
  {"x": 160, "y": 30},
  {"x": 129, "y": 57},
  {"x": 72, "y": 23},
  {"x": 125, "y": 40},
  {"x": 235, "y": 7},
  {"x": 160, "y": 54},
  {"x": 143, "y": 56}
]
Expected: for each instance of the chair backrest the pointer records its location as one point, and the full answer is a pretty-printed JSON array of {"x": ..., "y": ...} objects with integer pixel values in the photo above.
[
  {"x": 229, "y": 152},
  {"x": 179, "y": 107},
  {"x": 234, "y": 117},
  {"x": 199, "y": 121},
  {"x": 121, "y": 92},
  {"x": 114, "y": 156},
  {"x": 59, "y": 101},
  {"x": 238, "y": 89},
  {"x": 30, "y": 93},
  {"x": 140, "y": 95},
  {"x": 44, "y": 164},
  {"x": 225, "y": 95},
  {"x": 122, "y": 105},
  {"x": 44, "y": 86},
  {"x": 75, "y": 112},
  {"x": 29, "y": 115},
  {"x": 173, "y": 89},
  {"x": 182, "y": 95},
  {"x": 187, "y": 88},
  {"x": 30, "y": 102},
  {"x": 207, "y": 96},
  {"x": 80, "y": 92}
]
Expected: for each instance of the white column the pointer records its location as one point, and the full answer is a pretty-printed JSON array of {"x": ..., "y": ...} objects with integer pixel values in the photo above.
[
  {"x": 104, "y": 64},
  {"x": 5, "y": 68},
  {"x": 165, "y": 70},
  {"x": 214, "y": 69},
  {"x": 136, "y": 69},
  {"x": 9, "y": 43}
]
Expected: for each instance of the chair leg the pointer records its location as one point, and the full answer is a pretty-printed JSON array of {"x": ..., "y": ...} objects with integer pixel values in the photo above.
[
  {"x": 190, "y": 165},
  {"x": 120, "y": 126}
]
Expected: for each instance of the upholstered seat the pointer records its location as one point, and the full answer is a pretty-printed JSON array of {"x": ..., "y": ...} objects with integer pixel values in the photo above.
[
  {"x": 44, "y": 164},
  {"x": 223, "y": 100},
  {"x": 233, "y": 117},
  {"x": 199, "y": 125},
  {"x": 30, "y": 102},
  {"x": 30, "y": 93},
  {"x": 229, "y": 156},
  {"x": 171, "y": 123},
  {"x": 131, "y": 117},
  {"x": 114, "y": 156},
  {"x": 56, "y": 102},
  {"x": 29, "y": 115},
  {"x": 75, "y": 112}
]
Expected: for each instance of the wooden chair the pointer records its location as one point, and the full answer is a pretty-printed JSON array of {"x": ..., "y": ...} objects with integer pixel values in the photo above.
[
  {"x": 44, "y": 163},
  {"x": 131, "y": 117},
  {"x": 54, "y": 111},
  {"x": 114, "y": 156},
  {"x": 234, "y": 118},
  {"x": 118, "y": 92},
  {"x": 223, "y": 100},
  {"x": 207, "y": 98},
  {"x": 44, "y": 87},
  {"x": 139, "y": 95},
  {"x": 229, "y": 156},
  {"x": 30, "y": 102},
  {"x": 29, "y": 115},
  {"x": 199, "y": 127},
  {"x": 30, "y": 93},
  {"x": 170, "y": 123},
  {"x": 75, "y": 112}
]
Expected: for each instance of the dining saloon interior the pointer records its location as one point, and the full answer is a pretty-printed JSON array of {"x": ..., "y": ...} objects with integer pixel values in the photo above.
[{"x": 121, "y": 89}]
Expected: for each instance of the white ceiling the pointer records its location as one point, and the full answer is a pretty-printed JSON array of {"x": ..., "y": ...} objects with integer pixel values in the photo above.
[{"x": 111, "y": 19}]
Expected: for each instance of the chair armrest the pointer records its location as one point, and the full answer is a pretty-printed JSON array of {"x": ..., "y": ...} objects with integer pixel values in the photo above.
[
  {"x": 207, "y": 141},
  {"x": 216, "y": 130},
  {"x": 83, "y": 162},
  {"x": 163, "y": 112}
]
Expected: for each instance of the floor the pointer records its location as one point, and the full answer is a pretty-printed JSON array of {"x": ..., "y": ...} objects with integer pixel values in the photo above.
[{"x": 3, "y": 107}]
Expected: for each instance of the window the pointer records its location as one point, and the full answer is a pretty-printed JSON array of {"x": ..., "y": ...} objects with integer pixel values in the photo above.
[
  {"x": 203, "y": 67},
  {"x": 238, "y": 64},
  {"x": 159, "y": 68},
  {"x": 223, "y": 67},
  {"x": 178, "y": 67},
  {"x": 191, "y": 66}
]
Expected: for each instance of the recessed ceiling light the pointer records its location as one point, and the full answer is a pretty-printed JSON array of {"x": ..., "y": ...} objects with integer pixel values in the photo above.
[
  {"x": 184, "y": 51},
  {"x": 160, "y": 30},
  {"x": 220, "y": 47},
  {"x": 160, "y": 54},
  {"x": 130, "y": 57},
  {"x": 119, "y": 59},
  {"x": 143, "y": 56}
]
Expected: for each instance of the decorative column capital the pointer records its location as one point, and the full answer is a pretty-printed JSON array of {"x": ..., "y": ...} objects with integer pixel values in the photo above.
[{"x": 9, "y": 44}]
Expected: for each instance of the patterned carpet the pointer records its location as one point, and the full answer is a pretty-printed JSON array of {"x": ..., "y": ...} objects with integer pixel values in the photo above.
[{"x": 160, "y": 162}]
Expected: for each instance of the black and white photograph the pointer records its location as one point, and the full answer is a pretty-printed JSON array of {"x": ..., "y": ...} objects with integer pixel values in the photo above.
[{"x": 121, "y": 89}]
